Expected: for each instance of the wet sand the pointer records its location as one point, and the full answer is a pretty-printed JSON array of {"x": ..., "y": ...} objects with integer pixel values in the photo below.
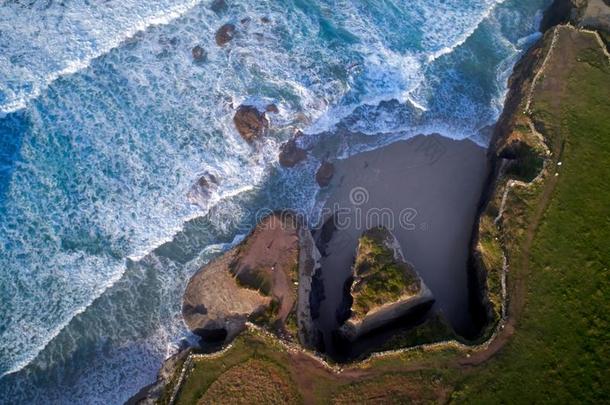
[{"x": 426, "y": 191}]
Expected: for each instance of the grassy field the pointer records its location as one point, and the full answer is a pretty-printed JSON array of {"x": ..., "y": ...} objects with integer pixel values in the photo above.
[
  {"x": 556, "y": 234},
  {"x": 561, "y": 350}
]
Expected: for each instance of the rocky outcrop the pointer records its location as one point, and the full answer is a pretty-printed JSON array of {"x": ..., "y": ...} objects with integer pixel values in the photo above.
[
  {"x": 385, "y": 287},
  {"x": 199, "y": 54},
  {"x": 325, "y": 174},
  {"x": 225, "y": 34},
  {"x": 215, "y": 306},
  {"x": 272, "y": 108},
  {"x": 250, "y": 123},
  {"x": 202, "y": 190},
  {"x": 291, "y": 155},
  {"x": 266, "y": 279}
]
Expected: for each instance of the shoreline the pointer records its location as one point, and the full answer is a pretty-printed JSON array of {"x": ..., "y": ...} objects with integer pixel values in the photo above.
[{"x": 503, "y": 327}]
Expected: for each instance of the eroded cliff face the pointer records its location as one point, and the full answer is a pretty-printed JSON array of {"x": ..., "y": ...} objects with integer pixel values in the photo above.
[
  {"x": 309, "y": 265},
  {"x": 384, "y": 286},
  {"x": 523, "y": 145},
  {"x": 510, "y": 143}
]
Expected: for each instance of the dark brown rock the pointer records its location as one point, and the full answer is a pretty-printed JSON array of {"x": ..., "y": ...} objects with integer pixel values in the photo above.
[
  {"x": 325, "y": 174},
  {"x": 225, "y": 34},
  {"x": 291, "y": 154},
  {"x": 250, "y": 123},
  {"x": 272, "y": 108},
  {"x": 265, "y": 20},
  {"x": 199, "y": 54}
]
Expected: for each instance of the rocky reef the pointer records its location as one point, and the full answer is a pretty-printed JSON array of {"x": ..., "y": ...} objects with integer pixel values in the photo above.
[{"x": 383, "y": 288}]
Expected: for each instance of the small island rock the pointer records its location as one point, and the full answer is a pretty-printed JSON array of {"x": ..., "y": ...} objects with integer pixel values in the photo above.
[
  {"x": 225, "y": 34},
  {"x": 384, "y": 287},
  {"x": 199, "y": 54},
  {"x": 250, "y": 123},
  {"x": 272, "y": 108}
]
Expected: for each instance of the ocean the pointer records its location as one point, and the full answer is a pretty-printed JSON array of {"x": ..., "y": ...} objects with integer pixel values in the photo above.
[{"x": 107, "y": 122}]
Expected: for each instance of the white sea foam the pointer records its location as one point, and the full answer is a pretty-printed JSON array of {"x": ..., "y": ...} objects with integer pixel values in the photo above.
[
  {"x": 91, "y": 31},
  {"x": 114, "y": 147}
]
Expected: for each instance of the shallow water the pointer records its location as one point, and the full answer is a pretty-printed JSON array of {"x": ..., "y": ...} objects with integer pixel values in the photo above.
[{"x": 106, "y": 123}]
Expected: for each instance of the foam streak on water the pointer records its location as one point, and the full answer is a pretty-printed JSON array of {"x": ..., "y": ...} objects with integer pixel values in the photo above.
[
  {"x": 108, "y": 123},
  {"x": 33, "y": 57}
]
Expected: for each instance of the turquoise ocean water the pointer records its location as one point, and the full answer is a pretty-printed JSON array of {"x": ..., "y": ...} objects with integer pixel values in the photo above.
[{"x": 106, "y": 122}]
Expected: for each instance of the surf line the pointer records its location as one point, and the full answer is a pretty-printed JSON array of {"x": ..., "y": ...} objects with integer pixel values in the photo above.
[{"x": 20, "y": 102}]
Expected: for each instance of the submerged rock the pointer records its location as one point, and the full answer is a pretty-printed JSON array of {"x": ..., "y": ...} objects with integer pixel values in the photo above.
[
  {"x": 199, "y": 54},
  {"x": 219, "y": 6},
  {"x": 225, "y": 34},
  {"x": 291, "y": 154},
  {"x": 272, "y": 108},
  {"x": 383, "y": 288},
  {"x": 203, "y": 189},
  {"x": 250, "y": 123},
  {"x": 325, "y": 174}
]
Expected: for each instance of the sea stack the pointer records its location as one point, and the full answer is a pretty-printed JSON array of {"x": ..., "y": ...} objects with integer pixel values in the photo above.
[{"x": 384, "y": 286}]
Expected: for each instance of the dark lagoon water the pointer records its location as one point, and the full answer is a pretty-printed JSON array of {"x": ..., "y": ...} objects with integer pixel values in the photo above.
[{"x": 106, "y": 122}]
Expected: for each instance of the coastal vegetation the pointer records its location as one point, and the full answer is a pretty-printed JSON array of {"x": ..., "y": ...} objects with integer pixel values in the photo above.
[
  {"x": 553, "y": 232},
  {"x": 557, "y": 235},
  {"x": 381, "y": 278}
]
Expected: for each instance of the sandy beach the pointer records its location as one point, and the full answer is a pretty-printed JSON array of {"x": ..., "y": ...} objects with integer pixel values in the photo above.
[{"x": 425, "y": 190}]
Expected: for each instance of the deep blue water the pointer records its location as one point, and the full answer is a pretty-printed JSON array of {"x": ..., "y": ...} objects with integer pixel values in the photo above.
[{"x": 106, "y": 123}]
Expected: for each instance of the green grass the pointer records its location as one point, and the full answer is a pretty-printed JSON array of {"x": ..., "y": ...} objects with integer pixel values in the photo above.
[
  {"x": 255, "y": 381},
  {"x": 246, "y": 348},
  {"x": 432, "y": 330},
  {"x": 561, "y": 351},
  {"x": 379, "y": 278}
]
